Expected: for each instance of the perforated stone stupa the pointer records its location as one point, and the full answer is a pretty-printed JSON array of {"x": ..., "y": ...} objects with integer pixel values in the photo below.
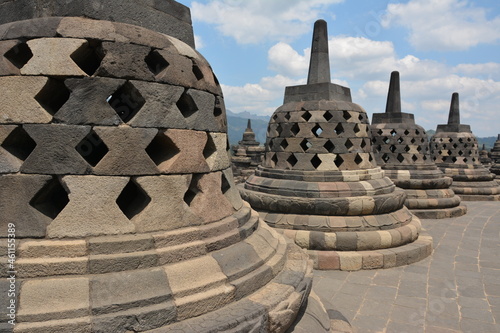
[
  {"x": 484, "y": 157},
  {"x": 319, "y": 183},
  {"x": 495, "y": 158},
  {"x": 115, "y": 172},
  {"x": 401, "y": 148},
  {"x": 247, "y": 154},
  {"x": 455, "y": 151}
]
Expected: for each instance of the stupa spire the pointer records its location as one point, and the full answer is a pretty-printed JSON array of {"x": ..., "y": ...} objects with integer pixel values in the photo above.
[
  {"x": 249, "y": 126},
  {"x": 394, "y": 95},
  {"x": 319, "y": 65},
  {"x": 454, "y": 116}
]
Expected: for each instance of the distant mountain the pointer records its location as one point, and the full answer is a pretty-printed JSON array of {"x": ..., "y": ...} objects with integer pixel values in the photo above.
[{"x": 237, "y": 123}]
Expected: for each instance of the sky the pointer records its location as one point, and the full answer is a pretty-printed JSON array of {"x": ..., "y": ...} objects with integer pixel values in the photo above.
[{"x": 257, "y": 47}]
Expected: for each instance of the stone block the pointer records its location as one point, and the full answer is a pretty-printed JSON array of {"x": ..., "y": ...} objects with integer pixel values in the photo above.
[
  {"x": 216, "y": 151},
  {"x": 7, "y": 67},
  {"x": 124, "y": 61},
  {"x": 179, "y": 71},
  {"x": 74, "y": 325},
  {"x": 198, "y": 108},
  {"x": 350, "y": 261},
  {"x": 8, "y": 162},
  {"x": 54, "y": 298},
  {"x": 165, "y": 212},
  {"x": 373, "y": 260},
  {"x": 389, "y": 258},
  {"x": 160, "y": 108},
  {"x": 105, "y": 217},
  {"x": 59, "y": 61},
  {"x": 16, "y": 91},
  {"x": 41, "y": 267},
  {"x": 120, "y": 244},
  {"x": 347, "y": 241},
  {"x": 50, "y": 248},
  {"x": 88, "y": 102},
  {"x": 125, "y": 290},
  {"x": 173, "y": 254},
  {"x": 55, "y": 151},
  {"x": 15, "y": 197},
  {"x": 328, "y": 260},
  {"x": 230, "y": 190},
  {"x": 35, "y": 28},
  {"x": 368, "y": 240},
  {"x": 127, "y": 151},
  {"x": 238, "y": 260},
  {"x": 105, "y": 263}
]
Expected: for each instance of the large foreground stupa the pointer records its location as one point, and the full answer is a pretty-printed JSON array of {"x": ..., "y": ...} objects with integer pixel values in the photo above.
[
  {"x": 320, "y": 185},
  {"x": 455, "y": 150},
  {"x": 401, "y": 148},
  {"x": 116, "y": 182}
]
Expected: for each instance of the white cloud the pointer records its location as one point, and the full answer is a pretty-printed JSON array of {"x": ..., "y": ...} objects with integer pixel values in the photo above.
[
  {"x": 251, "y": 22},
  {"x": 443, "y": 24},
  {"x": 285, "y": 60},
  {"x": 198, "y": 41}
]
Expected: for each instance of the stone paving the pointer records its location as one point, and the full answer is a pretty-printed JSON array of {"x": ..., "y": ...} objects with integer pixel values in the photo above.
[{"x": 456, "y": 289}]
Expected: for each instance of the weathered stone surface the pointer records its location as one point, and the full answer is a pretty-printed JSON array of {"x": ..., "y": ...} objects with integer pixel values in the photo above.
[
  {"x": 8, "y": 162},
  {"x": 55, "y": 151},
  {"x": 124, "y": 61},
  {"x": 96, "y": 109},
  {"x": 17, "y": 91},
  {"x": 105, "y": 218},
  {"x": 6, "y": 66},
  {"x": 59, "y": 62},
  {"x": 216, "y": 152}
]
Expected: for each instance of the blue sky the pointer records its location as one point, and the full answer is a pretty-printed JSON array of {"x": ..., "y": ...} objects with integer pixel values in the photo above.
[{"x": 257, "y": 47}]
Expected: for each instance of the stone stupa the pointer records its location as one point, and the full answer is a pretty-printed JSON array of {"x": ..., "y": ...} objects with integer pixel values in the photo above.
[
  {"x": 495, "y": 158},
  {"x": 455, "y": 151},
  {"x": 401, "y": 148},
  {"x": 320, "y": 185},
  {"x": 484, "y": 157},
  {"x": 115, "y": 175},
  {"x": 247, "y": 155}
]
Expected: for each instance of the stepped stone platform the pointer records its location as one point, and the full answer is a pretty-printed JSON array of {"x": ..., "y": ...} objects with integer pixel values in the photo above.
[
  {"x": 320, "y": 185},
  {"x": 247, "y": 155},
  {"x": 455, "y": 151},
  {"x": 114, "y": 170},
  {"x": 401, "y": 148},
  {"x": 495, "y": 158}
]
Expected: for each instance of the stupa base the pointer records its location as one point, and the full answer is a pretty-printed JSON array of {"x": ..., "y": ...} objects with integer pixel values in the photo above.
[
  {"x": 441, "y": 213},
  {"x": 479, "y": 197}
]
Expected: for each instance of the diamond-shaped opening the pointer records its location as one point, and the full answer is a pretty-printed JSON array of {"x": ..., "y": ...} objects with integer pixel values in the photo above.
[
  {"x": 407, "y": 149},
  {"x": 306, "y": 116},
  {"x": 156, "y": 63},
  {"x": 385, "y": 158},
  {"x": 216, "y": 80},
  {"x": 417, "y": 132},
  {"x": 317, "y": 130},
  {"x": 406, "y": 132},
  {"x": 186, "y": 104},
  {"x": 392, "y": 148},
  {"x": 133, "y": 199},
  {"x": 346, "y": 115},
  {"x": 386, "y": 140},
  {"x": 370, "y": 158},
  {"x": 363, "y": 144},
  {"x": 450, "y": 140},
  {"x": 284, "y": 144},
  {"x": 270, "y": 143},
  {"x": 274, "y": 160},
  {"x": 197, "y": 71},
  {"x": 412, "y": 140},
  {"x": 315, "y": 161},
  {"x": 361, "y": 117},
  {"x": 348, "y": 144},
  {"x": 466, "y": 145},
  {"x": 19, "y": 143},
  {"x": 51, "y": 199},
  {"x": 88, "y": 57},
  {"x": 400, "y": 158},
  {"x": 454, "y": 159},
  {"x": 460, "y": 152},
  {"x": 473, "y": 159},
  {"x": 425, "y": 157},
  {"x": 440, "y": 152},
  {"x": 19, "y": 55},
  {"x": 379, "y": 132},
  {"x": 414, "y": 158},
  {"x": 358, "y": 159},
  {"x": 279, "y": 129},
  {"x": 419, "y": 148},
  {"x": 378, "y": 148},
  {"x": 210, "y": 147},
  {"x": 422, "y": 140},
  {"x": 305, "y": 145},
  {"x": 460, "y": 140},
  {"x": 275, "y": 117},
  {"x": 295, "y": 129},
  {"x": 449, "y": 152},
  {"x": 393, "y": 133},
  {"x": 339, "y": 129},
  {"x": 469, "y": 139},
  {"x": 161, "y": 149},
  {"x": 92, "y": 148},
  {"x": 53, "y": 96},
  {"x": 356, "y": 128},
  {"x": 400, "y": 140},
  {"x": 470, "y": 152},
  {"x": 225, "y": 185},
  {"x": 338, "y": 161},
  {"x": 292, "y": 160},
  {"x": 327, "y": 115},
  {"x": 288, "y": 116},
  {"x": 465, "y": 159},
  {"x": 444, "y": 146},
  {"x": 127, "y": 101},
  {"x": 329, "y": 146},
  {"x": 455, "y": 145},
  {"x": 217, "y": 111}
]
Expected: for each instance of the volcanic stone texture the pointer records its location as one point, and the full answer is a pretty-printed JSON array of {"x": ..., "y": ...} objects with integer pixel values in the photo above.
[
  {"x": 495, "y": 158},
  {"x": 115, "y": 171},
  {"x": 401, "y": 148},
  {"x": 455, "y": 151}
]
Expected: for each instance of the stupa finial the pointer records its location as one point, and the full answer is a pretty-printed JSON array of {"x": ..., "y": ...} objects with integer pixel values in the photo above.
[
  {"x": 249, "y": 125},
  {"x": 319, "y": 65},
  {"x": 394, "y": 95},
  {"x": 454, "y": 116}
]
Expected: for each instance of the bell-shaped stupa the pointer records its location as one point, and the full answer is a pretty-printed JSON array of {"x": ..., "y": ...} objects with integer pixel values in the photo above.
[
  {"x": 484, "y": 157},
  {"x": 495, "y": 158},
  {"x": 455, "y": 151},
  {"x": 116, "y": 181},
  {"x": 247, "y": 155},
  {"x": 401, "y": 148},
  {"x": 320, "y": 185}
]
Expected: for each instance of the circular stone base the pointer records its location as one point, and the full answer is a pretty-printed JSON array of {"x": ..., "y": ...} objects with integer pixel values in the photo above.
[
  {"x": 491, "y": 197},
  {"x": 440, "y": 213},
  {"x": 362, "y": 260}
]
